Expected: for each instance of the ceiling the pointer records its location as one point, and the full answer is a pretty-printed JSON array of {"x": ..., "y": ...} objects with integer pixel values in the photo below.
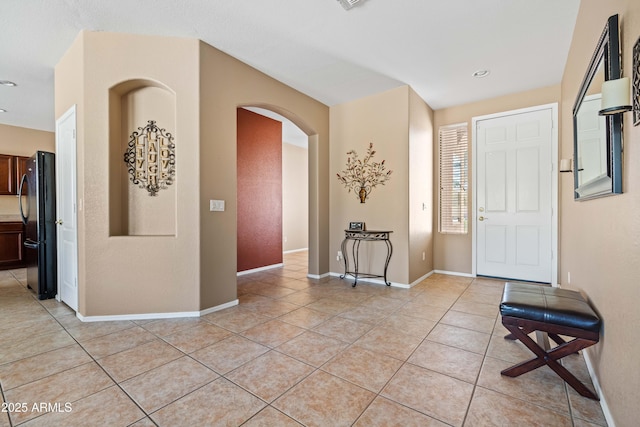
[{"x": 315, "y": 46}]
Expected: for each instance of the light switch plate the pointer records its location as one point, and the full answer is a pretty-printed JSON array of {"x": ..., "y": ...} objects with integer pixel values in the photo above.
[{"x": 216, "y": 205}]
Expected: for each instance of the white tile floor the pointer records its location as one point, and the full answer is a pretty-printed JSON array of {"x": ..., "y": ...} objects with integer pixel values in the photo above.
[{"x": 294, "y": 352}]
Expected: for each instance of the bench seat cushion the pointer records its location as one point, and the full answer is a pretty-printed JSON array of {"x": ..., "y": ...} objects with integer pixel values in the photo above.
[{"x": 549, "y": 305}]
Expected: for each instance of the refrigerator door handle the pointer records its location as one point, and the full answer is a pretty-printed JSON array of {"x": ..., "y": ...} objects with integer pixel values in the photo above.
[
  {"x": 22, "y": 215},
  {"x": 31, "y": 244}
]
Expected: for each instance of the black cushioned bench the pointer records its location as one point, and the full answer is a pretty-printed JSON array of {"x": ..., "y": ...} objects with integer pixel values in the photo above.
[{"x": 527, "y": 308}]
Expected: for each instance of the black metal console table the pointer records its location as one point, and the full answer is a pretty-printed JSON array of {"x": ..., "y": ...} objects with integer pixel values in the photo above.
[{"x": 357, "y": 237}]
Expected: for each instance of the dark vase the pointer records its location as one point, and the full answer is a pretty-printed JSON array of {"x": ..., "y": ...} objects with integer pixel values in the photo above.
[{"x": 363, "y": 194}]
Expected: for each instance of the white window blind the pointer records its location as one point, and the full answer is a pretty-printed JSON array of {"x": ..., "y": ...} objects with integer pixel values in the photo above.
[{"x": 454, "y": 179}]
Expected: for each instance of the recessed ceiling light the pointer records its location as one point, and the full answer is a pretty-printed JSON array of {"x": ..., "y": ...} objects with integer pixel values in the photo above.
[
  {"x": 7, "y": 83},
  {"x": 2, "y": 110},
  {"x": 481, "y": 73}
]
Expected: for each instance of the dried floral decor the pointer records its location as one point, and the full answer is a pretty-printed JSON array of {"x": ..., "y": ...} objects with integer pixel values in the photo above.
[{"x": 364, "y": 175}]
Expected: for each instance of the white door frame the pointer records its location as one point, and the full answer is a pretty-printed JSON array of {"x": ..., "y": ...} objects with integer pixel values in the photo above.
[
  {"x": 554, "y": 182},
  {"x": 74, "y": 263}
]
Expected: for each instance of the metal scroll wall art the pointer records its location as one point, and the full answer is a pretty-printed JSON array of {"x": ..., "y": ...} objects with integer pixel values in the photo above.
[
  {"x": 151, "y": 158},
  {"x": 636, "y": 83}
]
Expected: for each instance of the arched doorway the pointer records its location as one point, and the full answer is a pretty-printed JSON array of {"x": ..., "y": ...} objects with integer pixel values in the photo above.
[{"x": 295, "y": 225}]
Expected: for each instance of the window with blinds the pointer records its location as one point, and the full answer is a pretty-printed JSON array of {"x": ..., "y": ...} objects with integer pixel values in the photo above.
[{"x": 454, "y": 179}]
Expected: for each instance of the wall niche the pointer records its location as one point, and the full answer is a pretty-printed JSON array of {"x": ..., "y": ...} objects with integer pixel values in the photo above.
[{"x": 132, "y": 210}]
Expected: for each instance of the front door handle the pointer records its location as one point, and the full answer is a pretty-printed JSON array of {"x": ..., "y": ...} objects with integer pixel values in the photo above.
[
  {"x": 59, "y": 222},
  {"x": 482, "y": 218}
]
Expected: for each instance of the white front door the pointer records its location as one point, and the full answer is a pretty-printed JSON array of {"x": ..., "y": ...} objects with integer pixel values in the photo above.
[
  {"x": 514, "y": 196},
  {"x": 66, "y": 208}
]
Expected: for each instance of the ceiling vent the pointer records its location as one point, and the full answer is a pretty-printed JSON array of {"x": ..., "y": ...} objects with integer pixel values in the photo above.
[{"x": 348, "y": 4}]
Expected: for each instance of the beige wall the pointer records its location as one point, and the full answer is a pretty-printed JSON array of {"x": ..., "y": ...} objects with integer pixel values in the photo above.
[
  {"x": 69, "y": 91},
  {"x": 600, "y": 239},
  {"x": 132, "y": 274},
  {"x": 452, "y": 252},
  {"x": 196, "y": 268},
  {"x": 135, "y": 214},
  {"x": 22, "y": 142},
  {"x": 420, "y": 187},
  {"x": 383, "y": 120},
  {"x": 225, "y": 84},
  {"x": 295, "y": 197}
]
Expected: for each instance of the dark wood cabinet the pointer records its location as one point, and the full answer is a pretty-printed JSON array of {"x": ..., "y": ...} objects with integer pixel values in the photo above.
[
  {"x": 11, "y": 232},
  {"x": 11, "y": 245},
  {"x": 21, "y": 169},
  {"x": 11, "y": 170},
  {"x": 7, "y": 174}
]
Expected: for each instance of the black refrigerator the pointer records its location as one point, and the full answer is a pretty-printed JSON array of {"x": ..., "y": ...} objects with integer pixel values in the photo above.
[{"x": 37, "y": 200}]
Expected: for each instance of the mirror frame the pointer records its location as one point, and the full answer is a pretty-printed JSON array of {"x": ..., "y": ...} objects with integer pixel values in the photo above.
[{"x": 608, "y": 51}]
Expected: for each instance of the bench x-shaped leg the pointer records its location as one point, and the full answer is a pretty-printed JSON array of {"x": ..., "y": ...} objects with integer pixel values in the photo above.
[{"x": 549, "y": 358}]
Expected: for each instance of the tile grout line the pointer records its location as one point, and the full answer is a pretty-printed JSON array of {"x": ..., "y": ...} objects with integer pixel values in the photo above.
[
  {"x": 423, "y": 341},
  {"x": 350, "y": 345},
  {"x": 4, "y": 400},
  {"x": 406, "y": 361},
  {"x": 103, "y": 370},
  {"x": 379, "y": 322},
  {"x": 319, "y": 368},
  {"x": 484, "y": 357},
  {"x": 65, "y": 370}
]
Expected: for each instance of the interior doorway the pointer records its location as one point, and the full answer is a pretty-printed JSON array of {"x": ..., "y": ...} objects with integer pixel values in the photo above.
[
  {"x": 67, "y": 222},
  {"x": 292, "y": 203}
]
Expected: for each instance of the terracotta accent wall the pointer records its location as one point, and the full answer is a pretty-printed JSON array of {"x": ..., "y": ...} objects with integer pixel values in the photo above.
[
  {"x": 259, "y": 190},
  {"x": 600, "y": 239}
]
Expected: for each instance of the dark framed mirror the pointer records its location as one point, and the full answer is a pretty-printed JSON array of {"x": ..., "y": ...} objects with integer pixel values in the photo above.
[{"x": 597, "y": 140}]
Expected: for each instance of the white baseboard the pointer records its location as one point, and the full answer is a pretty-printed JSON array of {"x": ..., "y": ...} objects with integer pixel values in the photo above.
[
  {"x": 144, "y": 316},
  {"x": 317, "y": 276},
  {"x": 415, "y": 282},
  {"x": 393, "y": 284},
  {"x": 149, "y": 316},
  {"x": 453, "y": 273},
  {"x": 374, "y": 281},
  {"x": 219, "y": 307},
  {"x": 596, "y": 384},
  {"x": 292, "y": 251},
  {"x": 255, "y": 270}
]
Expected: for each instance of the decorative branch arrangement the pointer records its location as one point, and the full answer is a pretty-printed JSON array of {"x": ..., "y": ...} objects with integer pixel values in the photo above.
[{"x": 364, "y": 175}]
